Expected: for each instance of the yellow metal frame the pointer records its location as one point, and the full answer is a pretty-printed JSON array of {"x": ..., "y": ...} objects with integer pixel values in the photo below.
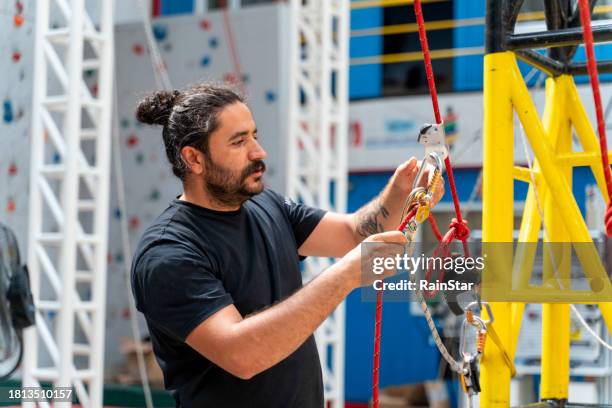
[{"x": 505, "y": 94}]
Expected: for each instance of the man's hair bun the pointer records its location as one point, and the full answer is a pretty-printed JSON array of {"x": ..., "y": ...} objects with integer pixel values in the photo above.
[{"x": 155, "y": 109}]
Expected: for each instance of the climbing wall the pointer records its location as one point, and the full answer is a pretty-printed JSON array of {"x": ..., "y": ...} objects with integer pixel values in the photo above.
[
  {"x": 195, "y": 48},
  {"x": 16, "y": 44}
]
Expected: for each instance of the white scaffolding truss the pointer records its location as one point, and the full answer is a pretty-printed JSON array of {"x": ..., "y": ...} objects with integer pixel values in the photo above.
[
  {"x": 69, "y": 196},
  {"x": 318, "y": 143}
]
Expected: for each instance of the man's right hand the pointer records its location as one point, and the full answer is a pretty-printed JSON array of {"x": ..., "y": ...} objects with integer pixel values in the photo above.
[{"x": 383, "y": 245}]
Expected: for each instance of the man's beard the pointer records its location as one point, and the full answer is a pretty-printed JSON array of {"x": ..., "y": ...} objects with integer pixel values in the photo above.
[{"x": 227, "y": 188}]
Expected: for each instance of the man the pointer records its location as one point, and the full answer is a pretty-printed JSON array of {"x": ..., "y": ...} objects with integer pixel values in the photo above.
[{"x": 217, "y": 274}]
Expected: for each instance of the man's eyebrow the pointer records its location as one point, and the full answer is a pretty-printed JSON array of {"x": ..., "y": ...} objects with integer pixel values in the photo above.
[{"x": 240, "y": 134}]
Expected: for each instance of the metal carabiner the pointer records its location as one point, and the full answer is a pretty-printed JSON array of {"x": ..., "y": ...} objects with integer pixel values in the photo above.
[
  {"x": 481, "y": 332},
  {"x": 433, "y": 157},
  {"x": 479, "y": 304},
  {"x": 419, "y": 196},
  {"x": 423, "y": 195}
]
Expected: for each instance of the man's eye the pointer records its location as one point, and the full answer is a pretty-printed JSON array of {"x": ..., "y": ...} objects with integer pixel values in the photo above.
[{"x": 238, "y": 142}]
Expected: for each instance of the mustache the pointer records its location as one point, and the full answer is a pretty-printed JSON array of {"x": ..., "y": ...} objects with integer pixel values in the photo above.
[{"x": 257, "y": 165}]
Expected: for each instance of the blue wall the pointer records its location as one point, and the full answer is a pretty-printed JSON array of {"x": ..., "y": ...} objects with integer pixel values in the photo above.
[
  {"x": 468, "y": 69},
  {"x": 365, "y": 81},
  {"x": 176, "y": 7}
]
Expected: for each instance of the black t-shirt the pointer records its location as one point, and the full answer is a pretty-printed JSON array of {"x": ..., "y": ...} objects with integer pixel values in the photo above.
[{"x": 193, "y": 262}]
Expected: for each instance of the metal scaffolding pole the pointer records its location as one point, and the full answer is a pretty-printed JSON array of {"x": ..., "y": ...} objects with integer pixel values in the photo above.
[
  {"x": 69, "y": 197},
  {"x": 318, "y": 143}
]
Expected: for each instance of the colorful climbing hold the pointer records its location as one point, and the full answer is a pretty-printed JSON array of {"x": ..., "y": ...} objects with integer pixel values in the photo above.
[
  {"x": 139, "y": 158},
  {"x": 8, "y": 111},
  {"x": 18, "y": 7},
  {"x": 205, "y": 61},
  {"x": 205, "y": 24},
  {"x": 125, "y": 123},
  {"x": 270, "y": 96},
  {"x": 138, "y": 49},
  {"x": 12, "y": 169},
  {"x": 160, "y": 32},
  {"x": 117, "y": 213},
  {"x": 56, "y": 158},
  {"x": 11, "y": 205},
  {"x": 132, "y": 140},
  {"x": 155, "y": 194},
  {"x": 134, "y": 222},
  {"x": 167, "y": 47},
  {"x": 16, "y": 56},
  {"x": 213, "y": 42},
  {"x": 18, "y": 20}
]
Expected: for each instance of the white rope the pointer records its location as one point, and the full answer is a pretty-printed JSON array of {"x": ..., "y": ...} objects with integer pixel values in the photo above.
[
  {"x": 159, "y": 66},
  {"x": 162, "y": 81},
  {"x": 573, "y": 308},
  {"x": 127, "y": 255},
  {"x": 455, "y": 365}
]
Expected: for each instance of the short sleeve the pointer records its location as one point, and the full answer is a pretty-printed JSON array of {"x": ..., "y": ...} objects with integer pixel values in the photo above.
[
  {"x": 303, "y": 219},
  {"x": 177, "y": 289}
]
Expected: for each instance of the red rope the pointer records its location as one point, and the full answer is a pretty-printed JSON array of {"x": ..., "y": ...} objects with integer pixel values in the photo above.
[
  {"x": 434, "y": 227},
  {"x": 434, "y": 101},
  {"x": 229, "y": 33},
  {"x": 407, "y": 219},
  {"x": 585, "y": 17},
  {"x": 378, "y": 325},
  {"x": 458, "y": 228},
  {"x": 376, "y": 365}
]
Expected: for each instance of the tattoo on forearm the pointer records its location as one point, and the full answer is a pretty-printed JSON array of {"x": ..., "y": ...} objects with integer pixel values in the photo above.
[{"x": 369, "y": 219}]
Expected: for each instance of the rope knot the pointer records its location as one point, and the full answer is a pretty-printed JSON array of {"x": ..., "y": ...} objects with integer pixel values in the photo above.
[
  {"x": 608, "y": 219},
  {"x": 462, "y": 232}
]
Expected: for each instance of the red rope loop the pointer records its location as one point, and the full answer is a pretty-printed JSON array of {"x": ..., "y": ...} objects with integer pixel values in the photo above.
[{"x": 460, "y": 229}]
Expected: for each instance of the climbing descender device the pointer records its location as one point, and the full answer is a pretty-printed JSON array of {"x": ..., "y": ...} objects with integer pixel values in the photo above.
[
  {"x": 432, "y": 138},
  {"x": 471, "y": 359}
]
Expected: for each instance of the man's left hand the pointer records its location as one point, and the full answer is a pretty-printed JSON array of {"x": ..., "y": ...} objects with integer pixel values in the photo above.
[{"x": 404, "y": 175}]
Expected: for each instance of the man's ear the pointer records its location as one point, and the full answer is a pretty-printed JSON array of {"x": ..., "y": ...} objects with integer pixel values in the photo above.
[{"x": 193, "y": 158}]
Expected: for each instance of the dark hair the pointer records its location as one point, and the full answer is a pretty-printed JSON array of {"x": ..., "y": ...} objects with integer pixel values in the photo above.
[{"x": 188, "y": 116}]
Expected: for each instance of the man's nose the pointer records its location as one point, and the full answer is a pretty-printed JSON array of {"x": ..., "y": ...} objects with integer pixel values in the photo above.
[{"x": 258, "y": 152}]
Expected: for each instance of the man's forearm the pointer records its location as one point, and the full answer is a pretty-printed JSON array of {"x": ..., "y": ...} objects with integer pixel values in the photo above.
[
  {"x": 379, "y": 215},
  {"x": 268, "y": 337}
]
